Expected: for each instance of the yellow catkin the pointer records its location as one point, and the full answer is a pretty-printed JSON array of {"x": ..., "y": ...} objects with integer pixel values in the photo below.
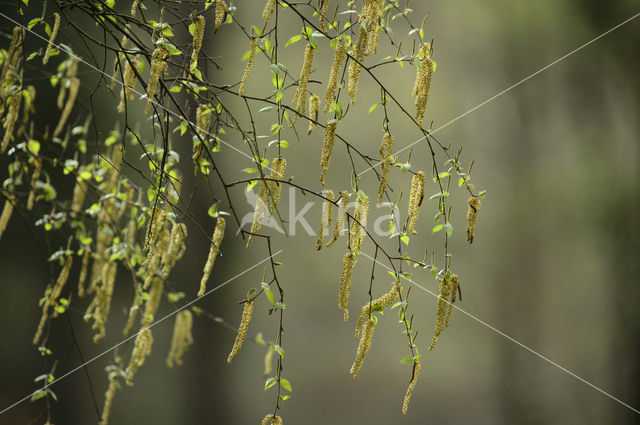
[
  {"x": 341, "y": 218},
  {"x": 52, "y": 298},
  {"x": 247, "y": 313},
  {"x": 443, "y": 304},
  {"x": 454, "y": 292},
  {"x": 472, "y": 217},
  {"x": 378, "y": 304},
  {"x": 327, "y": 147},
  {"x": 272, "y": 420},
  {"x": 314, "y": 107},
  {"x": 152, "y": 303},
  {"x": 324, "y": 8},
  {"x": 345, "y": 284},
  {"x": 363, "y": 346},
  {"x": 141, "y": 349},
  {"x": 79, "y": 193},
  {"x": 300, "y": 97},
  {"x": 423, "y": 82},
  {"x": 385, "y": 154},
  {"x": 158, "y": 251},
  {"x": 10, "y": 121},
  {"x": 153, "y": 230},
  {"x": 216, "y": 241},
  {"x": 182, "y": 338},
  {"x": 83, "y": 271},
  {"x": 355, "y": 68},
  {"x": 108, "y": 400},
  {"x": 198, "y": 35},
  {"x": 357, "y": 232},
  {"x": 7, "y": 210},
  {"x": 133, "y": 310},
  {"x": 268, "y": 196},
  {"x": 101, "y": 305},
  {"x": 372, "y": 13},
  {"x": 415, "y": 199},
  {"x": 129, "y": 82},
  {"x": 176, "y": 248},
  {"x": 134, "y": 8},
  {"x": 247, "y": 70},
  {"x": 269, "y": 7},
  {"x": 74, "y": 88},
  {"x": 221, "y": 13},
  {"x": 325, "y": 221},
  {"x": 268, "y": 359},
  {"x": 52, "y": 39},
  {"x": 332, "y": 84},
  {"x": 158, "y": 64},
  {"x": 37, "y": 169},
  {"x": 412, "y": 385}
]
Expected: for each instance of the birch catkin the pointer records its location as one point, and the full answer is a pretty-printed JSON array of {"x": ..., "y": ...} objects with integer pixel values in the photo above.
[
  {"x": 216, "y": 241},
  {"x": 52, "y": 39},
  {"x": 357, "y": 233},
  {"x": 221, "y": 13},
  {"x": 415, "y": 199},
  {"x": 472, "y": 217},
  {"x": 423, "y": 82},
  {"x": 385, "y": 154},
  {"x": 108, "y": 400},
  {"x": 272, "y": 420},
  {"x": 300, "y": 97},
  {"x": 268, "y": 196},
  {"x": 52, "y": 298},
  {"x": 454, "y": 291},
  {"x": 247, "y": 313},
  {"x": 269, "y": 7},
  {"x": 182, "y": 338},
  {"x": 341, "y": 218},
  {"x": 327, "y": 147},
  {"x": 141, "y": 349},
  {"x": 332, "y": 84},
  {"x": 325, "y": 222},
  {"x": 83, "y": 271},
  {"x": 324, "y": 8},
  {"x": 345, "y": 284},
  {"x": 314, "y": 107},
  {"x": 412, "y": 385},
  {"x": 7, "y": 210},
  {"x": 74, "y": 87},
  {"x": 355, "y": 68},
  {"x": 198, "y": 35},
  {"x": 443, "y": 303},
  {"x": 378, "y": 304},
  {"x": 247, "y": 70},
  {"x": 158, "y": 64},
  {"x": 363, "y": 346}
]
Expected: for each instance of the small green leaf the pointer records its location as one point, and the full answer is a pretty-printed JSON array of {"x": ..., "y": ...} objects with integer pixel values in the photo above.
[
  {"x": 280, "y": 351},
  {"x": 407, "y": 360},
  {"x": 286, "y": 385},
  {"x": 373, "y": 107},
  {"x": 437, "y": 228},
  {"x": 449, "y": 228},
  {"x": 405, "y": 238},
  {"x": 293, "y": 39},
  {"x": 270, "y": 383}
]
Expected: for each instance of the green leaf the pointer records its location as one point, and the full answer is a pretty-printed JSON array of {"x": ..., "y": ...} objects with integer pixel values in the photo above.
[
  {"x": 449, "y": 228},
  {"x": 270, "y": 383},
  {"x": 437, "y": 228},
  {"x": 286, "y": 384},
  {"x": 213, "y": 210},
  {"x": 407, "y": 360},
  {"x": 293, "y": 39},
  {"x": 280, "y": 351},
  {"x": 405, "y": 239},
  {"x": 192, "y": 29},
  {"x": 373, "y": 107}
]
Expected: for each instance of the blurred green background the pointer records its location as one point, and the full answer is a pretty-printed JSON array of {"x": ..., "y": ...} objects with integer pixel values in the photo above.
[{"x": 554, "y": 264}]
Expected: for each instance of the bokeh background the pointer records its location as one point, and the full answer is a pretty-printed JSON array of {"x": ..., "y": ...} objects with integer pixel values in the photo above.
[{"x": 554, "y": 264}]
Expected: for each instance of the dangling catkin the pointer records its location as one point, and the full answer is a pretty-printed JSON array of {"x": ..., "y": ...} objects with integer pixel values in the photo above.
[
  {"x": 141, "y": 349},
  {"x": 129, "y": 82},
  {"x": 158, "y": 64},
  {"x": 7, "y": 210},
  {"x": 101, "y": 304},
  {"x": 269, "y": 7},
  {"x": 152, "y": 303},
  {"x": 158, "y": 251},
  {"x": 79, "y": 193},
  {"x": 363, "y": 346},
  {"x": 176, "y": 248},
  {"x": 51, "y": 299},
  {"x": 355, "y": 68},
  {"x": 374, "y": 24},
  {"x": 247, "y": 70},
  {"x": 182, "y": 338},
  {"x": 83, "y": 271},
  {"x": 324, "y": 8},
  {"x": 385, "y": 154},
  {"x": 472, "y": 217},
  {"x": 216, "y": 241},
  {"x": 423, "y": 82},
  {"x": 198, "y": 35},
  {"x": 314, "y": 107},
  {"x": 221, "y": 13},
  {"x": 300, "y": 97},
  {"x": 338, "y": 60},
  {"x": 443, "y": 304},
  {"x": 325, "y": 222},
  {"x": 327, "y": 147},
  {"x": 378, "y": 304},
  {"x": 108, "y": 400},
  {"x": 74, "y": 87},
  {"x": 268, "y": 359},
  {"x": 357, "y": 232},
  {"x": 345, "y": 283},
  {"x": 268, "y": 196},
  {"x": 52, "y": 39},
  {"x": 412, "y": 385},
  {"x": 415, "y": 199},
  {"x": 272, "y": 420},
  {"x": 454, "y": 291},
  {"x": 134, "y": 8},
  {"x": 37, "y": 169},
  {"x": 341, "y": 218},
  {"x": 247, "y": 313}
]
